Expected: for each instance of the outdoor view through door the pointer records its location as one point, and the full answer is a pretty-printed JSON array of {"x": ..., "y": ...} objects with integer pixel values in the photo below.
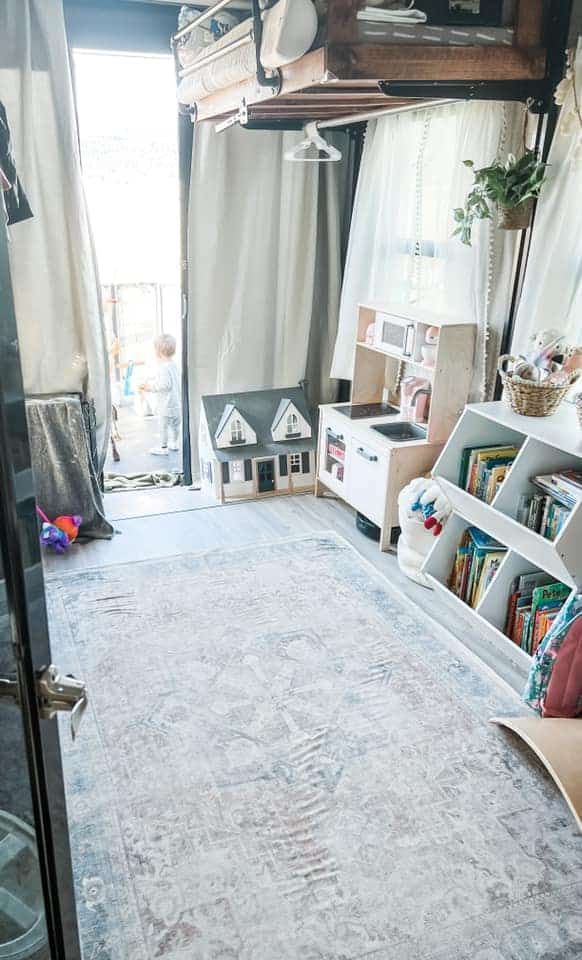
[{"x": 128, "y": 131}]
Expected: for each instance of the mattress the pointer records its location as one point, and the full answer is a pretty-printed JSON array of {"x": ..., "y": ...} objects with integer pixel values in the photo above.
[
  {"x": 381, "y": 32},
  {"x": 289, "y": 29}
]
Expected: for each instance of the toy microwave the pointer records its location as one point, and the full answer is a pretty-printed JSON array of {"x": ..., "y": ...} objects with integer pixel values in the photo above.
[{"x": 393, "y": 332}]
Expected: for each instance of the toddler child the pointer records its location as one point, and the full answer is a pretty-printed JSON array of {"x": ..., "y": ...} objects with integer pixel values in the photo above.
[{"x": 166, "y": 386}]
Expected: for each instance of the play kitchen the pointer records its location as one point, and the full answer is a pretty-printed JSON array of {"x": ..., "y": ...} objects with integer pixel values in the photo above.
[{"x": 405, "y": 402}]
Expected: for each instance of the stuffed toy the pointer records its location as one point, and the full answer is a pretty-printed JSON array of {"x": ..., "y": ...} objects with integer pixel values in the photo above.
[
  {"x": 434, "y": 507},
  {"x": 423, "y": 509},
  {"x": 547, "y": 346},
  {"x": 59, "y": 536}
]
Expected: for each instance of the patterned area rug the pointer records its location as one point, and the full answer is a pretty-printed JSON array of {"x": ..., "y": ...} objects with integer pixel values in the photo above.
[{"x": 282, "y": 761}]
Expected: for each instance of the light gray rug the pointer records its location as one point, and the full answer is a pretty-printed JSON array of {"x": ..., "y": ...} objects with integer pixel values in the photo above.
[{"x": 283, "y": 761}]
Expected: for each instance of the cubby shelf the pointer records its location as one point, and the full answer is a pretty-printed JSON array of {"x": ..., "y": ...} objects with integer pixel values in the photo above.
[{"x": 544, "y": 446}]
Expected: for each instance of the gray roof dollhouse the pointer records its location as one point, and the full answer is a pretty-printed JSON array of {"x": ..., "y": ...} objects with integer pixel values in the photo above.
[{"x": 257, "y": 442}]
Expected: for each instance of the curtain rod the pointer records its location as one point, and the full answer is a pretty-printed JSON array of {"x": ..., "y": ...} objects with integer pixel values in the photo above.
[{"x": 373, "y": 114}]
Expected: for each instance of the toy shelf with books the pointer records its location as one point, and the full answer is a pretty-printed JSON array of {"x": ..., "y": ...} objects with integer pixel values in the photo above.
[
  {"x": 501, "y": 471},
  {"x": 478, "y": 434}
]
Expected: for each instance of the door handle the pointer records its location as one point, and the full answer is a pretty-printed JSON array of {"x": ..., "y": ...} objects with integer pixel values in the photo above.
[
  {"x": 371, "y": 457},
  {"x": 55, "y": 694}
]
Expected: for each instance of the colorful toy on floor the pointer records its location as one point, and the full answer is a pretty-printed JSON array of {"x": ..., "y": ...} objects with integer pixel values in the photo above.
[{"x": 60, "y": 534}]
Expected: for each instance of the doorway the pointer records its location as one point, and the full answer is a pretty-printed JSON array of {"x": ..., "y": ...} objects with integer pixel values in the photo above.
[
  {"x": 129, "y": 146},
  {"x": 266, "y": 476}
]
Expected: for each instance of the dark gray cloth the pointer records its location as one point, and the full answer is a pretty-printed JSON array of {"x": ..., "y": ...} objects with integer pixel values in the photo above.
[
  {"x": 17, "y": 206},
  {"x": 64, "y": 474}
]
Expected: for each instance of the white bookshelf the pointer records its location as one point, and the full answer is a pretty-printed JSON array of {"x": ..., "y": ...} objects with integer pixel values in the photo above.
[{"x": 545, "y": 445}]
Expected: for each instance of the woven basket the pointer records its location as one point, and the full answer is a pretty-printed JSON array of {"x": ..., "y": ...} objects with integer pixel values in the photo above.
[
  {"x": 532, "y": 399},
  {"x": 578, "y": 401},
  {"x": 515, "y": 218}
]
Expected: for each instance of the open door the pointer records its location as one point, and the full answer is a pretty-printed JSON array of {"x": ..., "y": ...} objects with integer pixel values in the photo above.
[{"x": 37, "y": 906}]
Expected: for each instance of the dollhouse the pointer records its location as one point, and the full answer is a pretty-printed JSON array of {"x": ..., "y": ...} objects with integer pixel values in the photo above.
[{"x": 256, "y": 443}]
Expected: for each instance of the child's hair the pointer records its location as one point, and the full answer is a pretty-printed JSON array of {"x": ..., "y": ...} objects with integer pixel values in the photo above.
[{"x": 165, "y": 345}]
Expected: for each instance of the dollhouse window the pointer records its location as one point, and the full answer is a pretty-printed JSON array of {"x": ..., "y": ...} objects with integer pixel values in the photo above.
[
  {"x": 236, "y": 431},
  {"x": 295, "y": 462},
  {"x": 292, "y": 424},
  {"x": 237, "y": 470}
]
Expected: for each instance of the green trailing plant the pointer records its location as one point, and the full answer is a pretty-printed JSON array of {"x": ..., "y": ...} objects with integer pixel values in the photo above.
[{"x": 508, "y": 185}]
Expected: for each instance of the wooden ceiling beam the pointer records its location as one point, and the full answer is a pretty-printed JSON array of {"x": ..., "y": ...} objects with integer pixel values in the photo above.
[{"x": 367, "y": 61}]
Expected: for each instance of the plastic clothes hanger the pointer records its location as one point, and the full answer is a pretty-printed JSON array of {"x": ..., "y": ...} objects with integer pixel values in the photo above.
[{"x": 313, "y": 138}]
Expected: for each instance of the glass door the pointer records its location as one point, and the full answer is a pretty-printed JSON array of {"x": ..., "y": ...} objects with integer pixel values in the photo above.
[{"x": 37, "y": 906}]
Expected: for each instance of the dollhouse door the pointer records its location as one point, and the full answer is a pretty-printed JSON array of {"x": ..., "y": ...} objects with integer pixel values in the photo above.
[
  {"x": 266, "y": 476},
  {"x": 37, "y": 905}
]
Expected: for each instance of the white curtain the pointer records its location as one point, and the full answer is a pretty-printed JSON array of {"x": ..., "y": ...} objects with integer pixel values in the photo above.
[
  {"x": 401, "y": 246},
  {"x": 552, "y": 291},
  {"x": 56, "y": 292},
  {"x": 265, "y": 238}
]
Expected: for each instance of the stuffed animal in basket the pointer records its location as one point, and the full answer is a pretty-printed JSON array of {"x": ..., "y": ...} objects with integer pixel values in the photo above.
[{"x": 423, "y": 509}]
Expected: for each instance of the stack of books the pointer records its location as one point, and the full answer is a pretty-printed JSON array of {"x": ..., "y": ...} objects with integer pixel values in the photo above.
[
  {"x": 534, "y": 604},
  {"x": 476, "y": 562},
  {"x": 483, "y": 469},
  {"x": 547, "y": 512}
]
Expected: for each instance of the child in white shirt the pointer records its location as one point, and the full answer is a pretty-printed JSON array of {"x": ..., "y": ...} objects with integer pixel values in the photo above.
[{"x": 167, "y": 388}]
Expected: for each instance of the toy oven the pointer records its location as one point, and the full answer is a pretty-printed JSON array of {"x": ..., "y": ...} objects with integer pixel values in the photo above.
[
  {"x": 335, "y": 454},
  {"x": 394, "y": 333}
]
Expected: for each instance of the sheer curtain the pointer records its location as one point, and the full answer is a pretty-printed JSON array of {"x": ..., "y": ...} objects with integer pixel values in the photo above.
[
  {"x": 56, "y": 293},
  {"x": 401, "y": 248},
  {"x": 552, "y": 291},
  {"x": 265, "y": 240}
]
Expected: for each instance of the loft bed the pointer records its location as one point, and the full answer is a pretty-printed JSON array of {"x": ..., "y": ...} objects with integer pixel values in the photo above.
[{"x": 352, "y": 64}]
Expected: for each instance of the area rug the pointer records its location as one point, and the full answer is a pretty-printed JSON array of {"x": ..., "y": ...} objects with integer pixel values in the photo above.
[{"x": 283, "y": 761}]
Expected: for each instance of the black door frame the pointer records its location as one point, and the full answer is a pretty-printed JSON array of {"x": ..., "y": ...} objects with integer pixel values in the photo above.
[
  {"x": 21, "y": 559},
  {"x": 145, "y": 28}
]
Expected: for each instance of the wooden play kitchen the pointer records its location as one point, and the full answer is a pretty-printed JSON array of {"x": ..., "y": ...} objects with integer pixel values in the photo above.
[{"x": 412, "y": 373}]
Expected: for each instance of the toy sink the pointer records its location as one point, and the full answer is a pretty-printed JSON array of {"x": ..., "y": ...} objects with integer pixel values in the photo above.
[{"x": 400, "y": 432}]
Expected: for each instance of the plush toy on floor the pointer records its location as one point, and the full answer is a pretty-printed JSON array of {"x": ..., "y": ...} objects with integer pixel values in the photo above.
[
  {"x": 434, "y": 507},
  {"x": 60, "y": 534},
  {"x": 423, "y": 509}
]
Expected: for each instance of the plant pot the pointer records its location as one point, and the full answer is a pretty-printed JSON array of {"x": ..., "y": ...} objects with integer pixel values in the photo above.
[{"x": 515, "y": 218}]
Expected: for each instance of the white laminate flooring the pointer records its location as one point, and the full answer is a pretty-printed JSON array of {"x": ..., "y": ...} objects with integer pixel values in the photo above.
[{"x": 163, "y": 523}]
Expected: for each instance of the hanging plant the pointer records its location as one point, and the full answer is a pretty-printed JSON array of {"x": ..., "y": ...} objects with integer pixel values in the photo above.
[{"x": 512, "y": 186}]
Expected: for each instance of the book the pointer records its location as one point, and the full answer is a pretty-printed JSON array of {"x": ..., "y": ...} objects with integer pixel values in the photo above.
[
  {"x": 491, "y": 564},
  {"x": 563, "y": 486},
  {"x": 549, "y": 596},
  {"x": 521, "y": 615},
  {"x": 477, "y": 559},
  {"x": 522, "y": 588},
  {"x": 477, "y": 463},
  {"x": 496, "y": 477},
  {"x": 542, "y": 513}
]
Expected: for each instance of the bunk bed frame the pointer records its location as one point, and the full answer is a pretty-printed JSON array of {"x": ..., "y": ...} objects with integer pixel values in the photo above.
[{"x": 346, "y": 76}]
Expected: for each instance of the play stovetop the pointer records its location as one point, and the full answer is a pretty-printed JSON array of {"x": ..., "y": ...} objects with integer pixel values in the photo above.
[{"x": 365, "y": 411}]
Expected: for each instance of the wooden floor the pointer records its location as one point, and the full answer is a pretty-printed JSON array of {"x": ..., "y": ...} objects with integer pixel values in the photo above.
[{"x": 174, "y": 521}]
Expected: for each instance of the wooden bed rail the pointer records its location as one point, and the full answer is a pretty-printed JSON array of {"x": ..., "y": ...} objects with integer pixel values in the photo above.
[{"x": 347, "y": 73}]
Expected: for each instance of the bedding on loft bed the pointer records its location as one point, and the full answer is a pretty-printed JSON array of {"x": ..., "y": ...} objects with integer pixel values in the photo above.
[
  {"x": 293, "y": 27},
  {"x": 289, "y": 31}
]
